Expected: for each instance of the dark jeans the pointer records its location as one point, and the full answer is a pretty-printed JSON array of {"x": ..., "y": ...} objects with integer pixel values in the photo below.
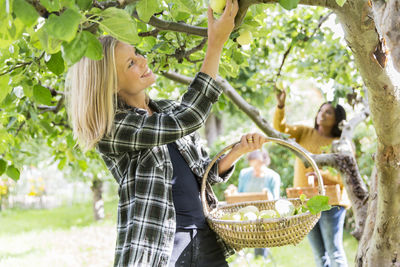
[
  {"x": 196, "y": 248},
  {"x": 326, "y": 239}
]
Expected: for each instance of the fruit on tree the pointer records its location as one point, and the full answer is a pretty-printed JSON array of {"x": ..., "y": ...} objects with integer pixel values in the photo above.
[
  {"x": 217, "y": 5},
  {"x": 244, "y": 37}
]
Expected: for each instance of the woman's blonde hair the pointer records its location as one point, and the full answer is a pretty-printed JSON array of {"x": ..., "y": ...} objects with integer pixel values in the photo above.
[{"x": 92, "y": 95}]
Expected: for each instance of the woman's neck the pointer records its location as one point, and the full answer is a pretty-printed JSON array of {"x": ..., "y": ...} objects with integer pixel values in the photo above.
[
  {"x": 137, "y": 101},
  {"x": 325, "y": 131}
]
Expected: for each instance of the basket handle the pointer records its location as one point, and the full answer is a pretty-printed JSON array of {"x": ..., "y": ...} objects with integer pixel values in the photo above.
[{"x": 293, "y": 146}]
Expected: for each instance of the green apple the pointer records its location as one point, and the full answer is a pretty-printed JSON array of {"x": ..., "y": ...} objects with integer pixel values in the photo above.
[
  {"x": 244, "y": 37},
  {"x": 268, "y": 214},
  {"x": 249, "y": 208},
  {"x": 217, "y": 5},
  {"x": 227, "y": 217},
  {"x": 284, "y": 207},
  {"x": 236, "y": 216},
  {"x": 249, "y": 216}
]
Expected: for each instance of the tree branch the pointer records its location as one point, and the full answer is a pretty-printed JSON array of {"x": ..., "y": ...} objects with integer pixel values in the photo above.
[
  {"x": 22, "y": 64},
  {"x": 150, "y": 33},
  {"x": 53, "y": 109},
  {"x": 174, "y": 26}
]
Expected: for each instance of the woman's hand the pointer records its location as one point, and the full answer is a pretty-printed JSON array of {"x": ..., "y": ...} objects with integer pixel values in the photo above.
[
  {"x": 248, "y": 143},
  {"x": 281, "y": 98},
  {"x": 220, "y": 29},
  {"x": 218, "y": 32}
]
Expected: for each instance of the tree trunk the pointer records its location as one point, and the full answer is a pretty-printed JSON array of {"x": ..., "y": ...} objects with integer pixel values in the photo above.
[
  {"x": 98, "y": 204},
  {"x": 213, "y": 128},
  {"x": 382, "y": 246}
]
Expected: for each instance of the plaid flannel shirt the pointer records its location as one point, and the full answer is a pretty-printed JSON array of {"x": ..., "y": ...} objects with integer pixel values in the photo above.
[{"x": 137, "y": 155}]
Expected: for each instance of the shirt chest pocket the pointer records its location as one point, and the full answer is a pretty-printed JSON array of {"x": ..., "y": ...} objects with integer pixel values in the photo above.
[{"x": 152, "y": 157}]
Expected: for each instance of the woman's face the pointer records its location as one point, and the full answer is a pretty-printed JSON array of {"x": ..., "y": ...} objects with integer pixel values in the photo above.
[
  {"x": 326, "y": 116},
  {"x": 133, "y": 73}
]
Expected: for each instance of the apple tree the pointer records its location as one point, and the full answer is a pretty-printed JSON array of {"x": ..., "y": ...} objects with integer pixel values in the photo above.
[{"x": 40, "y": 39}]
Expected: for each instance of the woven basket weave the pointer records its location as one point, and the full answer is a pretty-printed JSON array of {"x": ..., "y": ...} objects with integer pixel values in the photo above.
[{"x": 261, "y": 233}]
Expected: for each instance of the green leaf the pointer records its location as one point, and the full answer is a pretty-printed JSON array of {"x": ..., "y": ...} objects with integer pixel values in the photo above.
[
  {"x": 318, "y": 203},
  {"x": 3, "y": 166},
  {"x": 46, "y": 126},
  {"x": 65, "y": 26},
  {"x": 50, "y": 44},
  {"x": 5, "y": 88},
  {"x": 75, "y": 50},
  {"x": 120, "y": 25},
  {"x": 146, "y": 9},
  {"x": 51, "y": 5},
  {"x": 340, "y": 2},
  {"x": 303, "y": 197},
  {"x": 56, "y": 64},
  {"x": 42, "y": 95},
  {"x": 84, "y": 4},
  {"x": 25, "y": 12},
  {"x": 13, "y": 173},
  {"x": 83, "y": 165},
  {"x": 186, "y": 5},
  {"x": 62, "y": 163},
  {"x": 288, "y": 4},
  {"x": 10, "y": 30},
  {"x": 28, "y": 90},
  {"x": 94, "y": 48}
]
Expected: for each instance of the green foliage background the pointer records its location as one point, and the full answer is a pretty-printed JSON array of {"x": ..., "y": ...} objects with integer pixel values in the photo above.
[{"x": 38, "y": 42}]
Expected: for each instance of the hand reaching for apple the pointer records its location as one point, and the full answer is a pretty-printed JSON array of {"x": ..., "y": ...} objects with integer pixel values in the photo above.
[
  {"x": 281, "y": 97},
  {"x": 220, "y": 29}
]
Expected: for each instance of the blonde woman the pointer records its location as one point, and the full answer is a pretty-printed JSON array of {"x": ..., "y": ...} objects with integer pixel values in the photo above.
[{"x": 152, "y": 150}]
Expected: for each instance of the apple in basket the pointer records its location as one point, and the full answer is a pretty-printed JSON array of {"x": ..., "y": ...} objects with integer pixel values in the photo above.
[
  {"x": 268, "y": 214},
  {"x": 234, "y": 216},
  {"x": 249, "y": 216},
  {"x": 249, "y": 208},
  {"x": 284, "y": 207}
]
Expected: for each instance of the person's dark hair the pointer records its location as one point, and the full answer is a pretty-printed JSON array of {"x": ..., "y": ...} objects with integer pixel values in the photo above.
[{"x": 340, "y": 115}]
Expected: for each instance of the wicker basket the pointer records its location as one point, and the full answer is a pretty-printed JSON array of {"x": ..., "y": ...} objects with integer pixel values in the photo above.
[{"x": 261, "y": 233}]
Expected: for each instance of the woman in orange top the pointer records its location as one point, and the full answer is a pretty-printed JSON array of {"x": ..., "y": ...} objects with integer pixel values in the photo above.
[{"x": 326, "y": 238}]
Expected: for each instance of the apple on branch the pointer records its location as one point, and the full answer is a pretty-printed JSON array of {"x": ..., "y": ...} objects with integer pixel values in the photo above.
[
  {"x": 217, "y": 5},
  {"x": 244, "y": 37}
]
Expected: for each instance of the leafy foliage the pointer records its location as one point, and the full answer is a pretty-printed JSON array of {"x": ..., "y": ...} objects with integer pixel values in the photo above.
[{"x": 37, "y": 45}]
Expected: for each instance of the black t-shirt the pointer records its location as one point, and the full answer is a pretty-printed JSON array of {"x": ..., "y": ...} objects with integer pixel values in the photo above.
[{"x": 185, "y": 193}]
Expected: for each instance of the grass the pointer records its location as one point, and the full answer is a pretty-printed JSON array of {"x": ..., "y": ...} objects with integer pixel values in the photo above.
[
  {"x": 289, "y": 256},
  {"x": 68, "y": 236},
  {"x": 16, "y": 221}
]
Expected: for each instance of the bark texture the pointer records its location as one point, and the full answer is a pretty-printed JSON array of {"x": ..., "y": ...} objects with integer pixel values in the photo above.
[
  {"x": 98, "y": 203},
  {"x": 380, "y": 243}
]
